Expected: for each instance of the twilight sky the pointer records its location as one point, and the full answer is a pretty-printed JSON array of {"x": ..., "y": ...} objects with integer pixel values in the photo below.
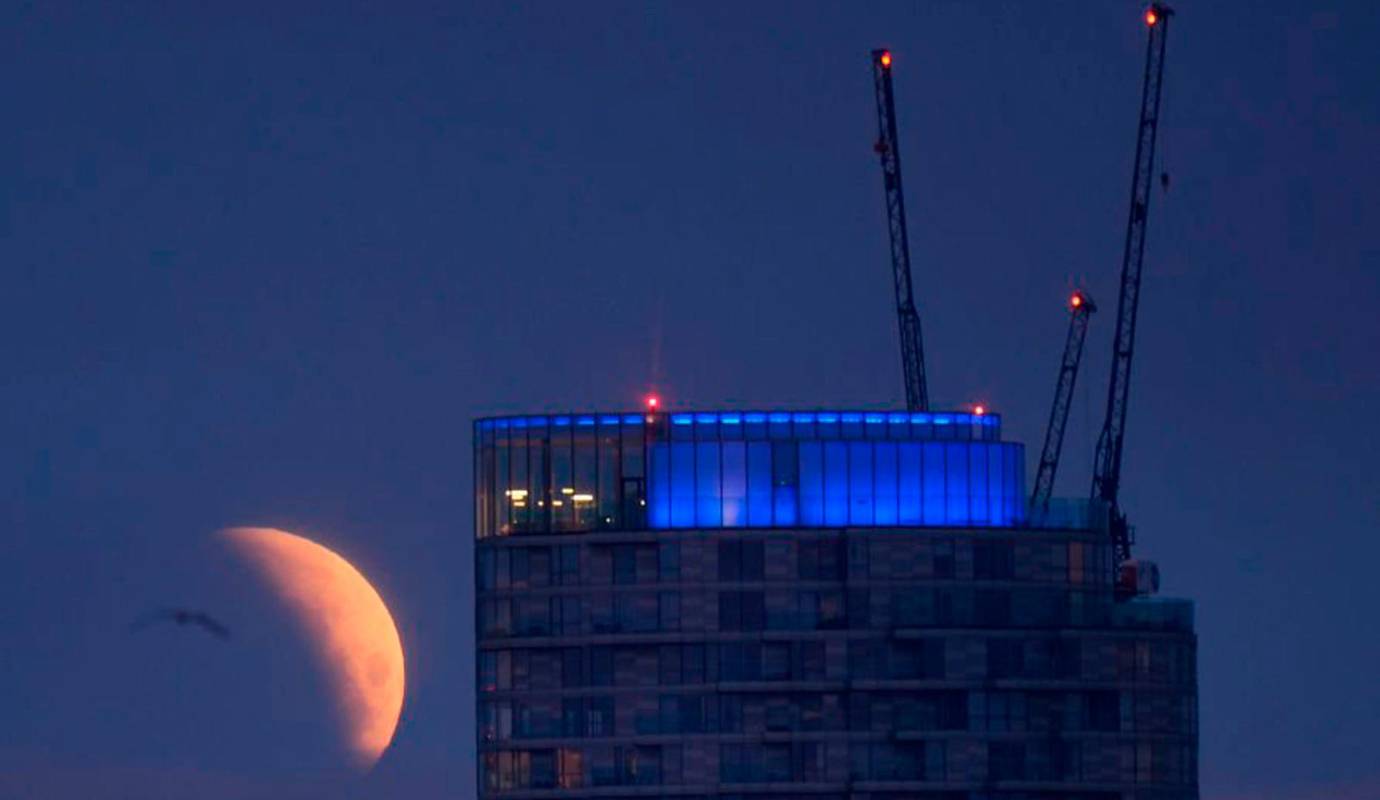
[{"x": 263, "y": 267}]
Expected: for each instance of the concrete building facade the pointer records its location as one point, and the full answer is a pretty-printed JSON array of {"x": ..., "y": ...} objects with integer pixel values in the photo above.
[{"x": 808, "y": 604}]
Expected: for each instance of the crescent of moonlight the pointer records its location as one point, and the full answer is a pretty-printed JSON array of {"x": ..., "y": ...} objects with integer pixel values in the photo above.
[{"x": 347, "y": 621}]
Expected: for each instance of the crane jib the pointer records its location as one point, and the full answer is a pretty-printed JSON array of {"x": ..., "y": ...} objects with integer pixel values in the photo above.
[{"x": 1111, "y": 441}]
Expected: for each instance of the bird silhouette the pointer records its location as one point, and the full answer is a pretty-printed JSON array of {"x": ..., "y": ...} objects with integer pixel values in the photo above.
[{"x": 182, "y": 616}]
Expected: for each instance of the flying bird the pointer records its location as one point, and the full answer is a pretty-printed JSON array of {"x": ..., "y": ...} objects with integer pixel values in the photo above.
[{"x": 182, "y": 616}]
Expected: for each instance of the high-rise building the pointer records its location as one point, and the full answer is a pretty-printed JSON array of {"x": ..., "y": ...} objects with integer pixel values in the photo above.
[{"x": 822, "y": 605}]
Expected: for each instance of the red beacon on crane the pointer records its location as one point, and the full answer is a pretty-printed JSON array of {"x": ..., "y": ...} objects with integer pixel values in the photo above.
[
  {"x": 1151, "y": 17},
  {"x": 1076, "y": 301},
  {"x": 979, "y": 409},
  {"x": 885, "y": 59}
]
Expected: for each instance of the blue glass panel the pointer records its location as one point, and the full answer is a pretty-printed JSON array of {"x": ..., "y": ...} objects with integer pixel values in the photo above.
[
  {"x": 759, "y": 484},
  {"x": 708, "y": 511},
  {"x": 908, "y": 478},
  {"x": 682, "y": 419},
  {"x": 731, "y": 419},
  {"x": 785, "y": 506},
  {"x": 827, "y": 417},
  {"x": 934, "y": 483},
  {"x": 536, "y": 422},
  {"x": 884, "y": 490},
  {"x": 850, "y": 417},
  {"x": 754, "y": 418},
  {"x": 779, "y": 417},
  {"x": 920, "y": 419},
  {"x": 735, "y": 484},
  {"x": 632, "y": 419},
  {"x": 608, "y": 420},
  {"x": 978, "y": 510},
  {"x": 584, "y": 421},
  {"x": 860, "y": 483},
  {"x": 501, "y": 424},
  {"x": 706, "y": 419},
  {"x": 943, "y": 419},
  {"x": 836, "y": 483},
  {"x": 874, "y": 419},
  {"x": 519, "y": 422},
  {"x": 811, "y": 483},
  {"x": 803, "y": 418},
  {"x": 486, "y": 424},
  {"x": 1015, "y": 485},
  {"x": 560, "y": 422},
  {"x": 996, "y": 505},
  {"x": 682, "y": 485},
  {"x": 897, "y": 419},
  {"x": 659, "y": 487},
  {"x": 956, "y": 474}
]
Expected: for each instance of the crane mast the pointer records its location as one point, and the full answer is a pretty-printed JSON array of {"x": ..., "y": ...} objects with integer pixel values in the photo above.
[
  {"x": 912, "y": 349},
  {"x": 1111, "y": 441},
  {"x": 1081, "y": 308}
]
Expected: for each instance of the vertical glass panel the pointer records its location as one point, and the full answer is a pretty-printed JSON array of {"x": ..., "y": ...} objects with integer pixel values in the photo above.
[
  {"x": 995, "y": 502},
  {"x": 708, "y": 511},
  {"x": 484, "y": 470},
  {"x": 885, "y": 488},
  {"x": 503, "y": 480},
  {"x": 836, "y": 483},
  {"x": 659, "y": 486},
  {"x": 581, "y": 501},
  {"x": 538, "y": 473},
  {"x": 562, "y": 480},
  {"x": 1015, "y": 482},
  {"x": 908, "y": 478},
  {"x": 956, "y": 473},
  {"x": 811, "y": 483},
  {"x": 520, "y": 501},
  {"x": 934, "y": 485},
  {"x": 610, "y": 478},
  {"x": 635, "y": 485},
  {"x": 785, "y": 477},
  {"x": 977, "y": 482},
  {"x": 759, "y": 484},
  {"x": 735, "y": 484},
  {"x": 682, "y": 484},
  {"x": 860, "y": 482}
]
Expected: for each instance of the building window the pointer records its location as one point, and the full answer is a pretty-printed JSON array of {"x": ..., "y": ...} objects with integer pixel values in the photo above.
[
  {"x": 741, "y": 611},
  {"x": 600, "y": 716},
  {"x": 668, "y": 611},
  {"x": 668, "y": 562},
  {"x": 1006, "y": 761},
  {"x": 994, "y": 561},
  {"x": 742, "y": 560}
]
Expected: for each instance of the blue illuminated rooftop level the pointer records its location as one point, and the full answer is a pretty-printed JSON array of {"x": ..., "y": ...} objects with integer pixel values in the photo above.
[{"x": 749, "y": 469}]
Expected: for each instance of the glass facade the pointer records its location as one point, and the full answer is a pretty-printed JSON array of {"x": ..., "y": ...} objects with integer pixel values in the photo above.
[{"x": 588, "y": 472}]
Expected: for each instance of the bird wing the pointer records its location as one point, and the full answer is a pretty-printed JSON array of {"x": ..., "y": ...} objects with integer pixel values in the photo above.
[{"x": 211, "y": 624}]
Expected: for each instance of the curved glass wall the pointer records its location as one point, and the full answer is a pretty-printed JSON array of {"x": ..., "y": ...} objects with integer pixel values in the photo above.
[{"x": 568, "y": 473}]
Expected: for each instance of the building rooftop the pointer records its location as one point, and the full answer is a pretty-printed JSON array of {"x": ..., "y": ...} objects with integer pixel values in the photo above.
[{"x": 746, "y": 469}]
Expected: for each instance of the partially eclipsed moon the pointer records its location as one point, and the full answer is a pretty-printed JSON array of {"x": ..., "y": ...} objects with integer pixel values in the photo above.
[{"x": 347, "y": 621}]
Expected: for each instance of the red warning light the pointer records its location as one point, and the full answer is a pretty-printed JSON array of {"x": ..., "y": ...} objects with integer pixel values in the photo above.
[
  {"x": 1151, "y": 17},
  {"x": 1076, "y": 300},
  {"x": 979, "y": 410},
  {"x": 885, "y": 59},
  {"x": 652, "y": 402}
]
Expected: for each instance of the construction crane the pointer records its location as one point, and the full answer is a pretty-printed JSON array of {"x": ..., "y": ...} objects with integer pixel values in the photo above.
[
  {"x": 912, "y": 348},
  {"x": 1081, "y": 308},
  {"x": 1111, "y": 441}
]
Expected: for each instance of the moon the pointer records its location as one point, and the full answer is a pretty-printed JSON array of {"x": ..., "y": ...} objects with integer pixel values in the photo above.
[{"x": 343, "y": 615}]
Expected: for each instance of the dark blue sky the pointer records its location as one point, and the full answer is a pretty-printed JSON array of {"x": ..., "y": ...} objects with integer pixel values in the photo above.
[{"x": 263, "y": 267}]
